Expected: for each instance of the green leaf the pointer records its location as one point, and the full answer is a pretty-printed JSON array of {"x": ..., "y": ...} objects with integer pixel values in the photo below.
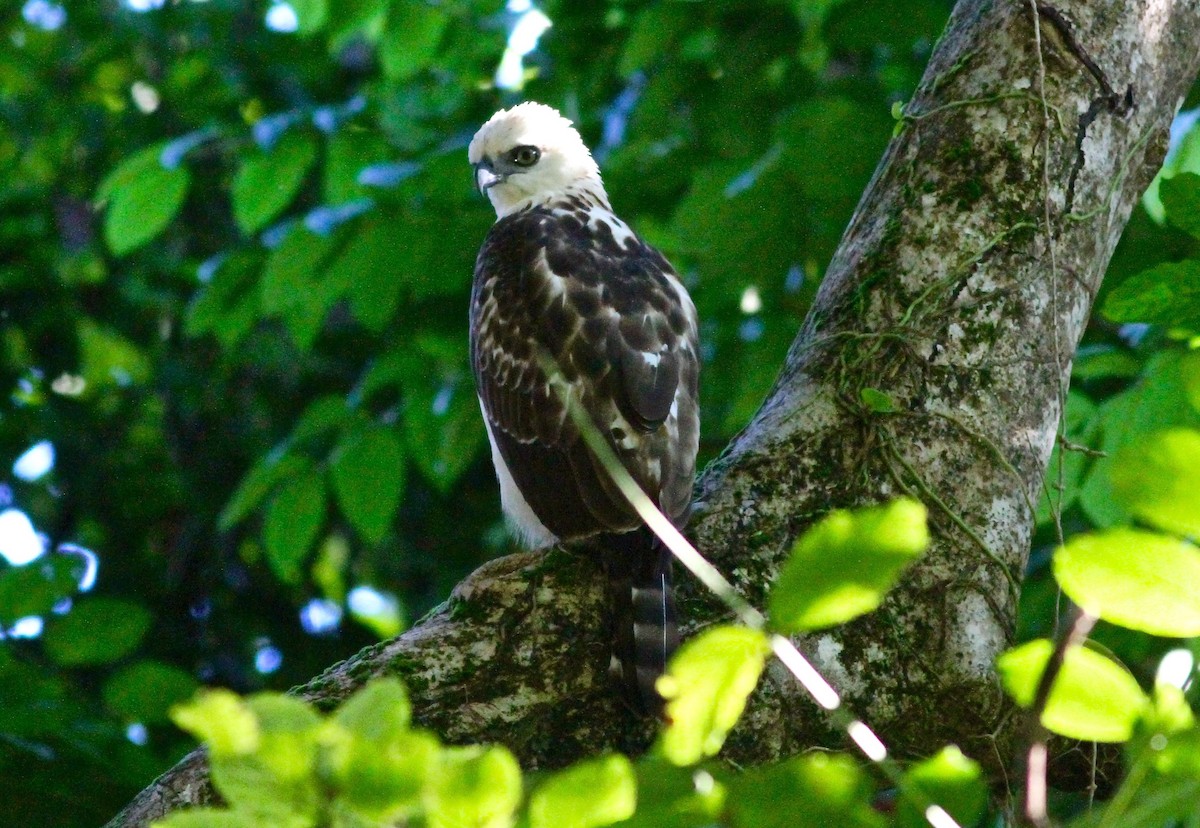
[
  {"x": 669, "y": 796},
  {"x": 1184, "y": 158},
  {"x": 368, "y": 268},
  {"x": 262, "y": 754},
  {"x": 706, "y": 687},
  {"x": 292, "y": 269},
  {"x": 322, "y": 416},
  {"x": 474, "y": 786},
  {"x": 1181, "y": 199},
  {"x": 257, "y": 484},
  {"x": 948, "y": 779},
  {"x": 267, "y": 181},
  {"x": 97, "y": 630},
  {"x": 347, "y": 152},
  {"x": 368, "y": 477},
  {"x": 410, "y": 38},
  {"x": 291, "y": 286},
  {"x": 1100, "y": 361},
  {"x": 1158, "y": 479},
  {"x": 227, "y": 307},
  {"x": 379, "y": 712},
  {"x": 1093, "y": 698},
  {"x": 1159, "y": 801},
  {"x": 109, "y": 359},
  {"x": 1136, "y": 579},
  {"x": 385, "y": 779},
  {"x": 817, "y": 791},
  {"x": 443, "y": 429},
  {"x": 651, "y": 36},
  {"x": 877, "y": 401},
  {"x": 145, "y": 691},
  {"x": 1156, "y": 401},
  {"x": 310, "y": 15},
  {"x": 589, "y": 794},
  {"x": 380, "y": 765},
  {"x": 289, "y": 735},
  {"x": 143, "y": 197},
  {"x": 221, "y": 720},
  {"x": 33, "y": 589},
  {"x": 1080, "y": 428},
  {"x": 1166, "y": 294},
  {"x": 293, "y": 521},
  {"x": 843, "y": 566},
  {"x": 1189, "y": 374}
]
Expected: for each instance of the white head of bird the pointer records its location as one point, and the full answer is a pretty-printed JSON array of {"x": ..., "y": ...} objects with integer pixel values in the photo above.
[{"x": 529, "y": 155}]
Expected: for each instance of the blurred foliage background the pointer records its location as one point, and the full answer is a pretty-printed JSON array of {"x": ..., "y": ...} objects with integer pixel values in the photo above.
[{"x": 238, "y": 435}]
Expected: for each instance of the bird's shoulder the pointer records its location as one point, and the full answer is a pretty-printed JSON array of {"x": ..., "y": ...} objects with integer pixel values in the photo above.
[{"x": 571, "y": 280}]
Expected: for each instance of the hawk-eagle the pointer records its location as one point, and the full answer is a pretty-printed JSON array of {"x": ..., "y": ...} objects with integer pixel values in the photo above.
[{"x": 562, "y": 281}]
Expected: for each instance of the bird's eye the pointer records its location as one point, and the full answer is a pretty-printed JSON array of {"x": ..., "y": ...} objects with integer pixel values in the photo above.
[{"x": 525, "y": 156}]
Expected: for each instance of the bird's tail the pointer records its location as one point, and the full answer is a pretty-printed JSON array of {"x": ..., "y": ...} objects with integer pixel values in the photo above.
[{"x": 645, "y": 630}]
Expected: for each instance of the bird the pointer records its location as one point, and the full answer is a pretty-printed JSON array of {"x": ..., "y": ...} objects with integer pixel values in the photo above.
[{"x": 565, "y": 293}]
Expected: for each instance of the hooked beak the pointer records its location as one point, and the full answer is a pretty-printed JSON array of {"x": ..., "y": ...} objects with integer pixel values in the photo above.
[{"x": 486, "y": 177}]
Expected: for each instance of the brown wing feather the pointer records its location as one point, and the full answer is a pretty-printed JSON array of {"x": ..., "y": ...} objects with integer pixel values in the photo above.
[{"x": 616, "y": 326}]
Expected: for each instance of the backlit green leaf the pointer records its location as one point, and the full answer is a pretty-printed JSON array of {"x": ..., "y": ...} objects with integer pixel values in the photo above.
[
  {"x": 1158, "y": 479},
  {"x": 590, "y": 794},
  {"x": 476, "y": 786},
  {"x": 368, "y": 477},
  {"x": 843, "y": 566},
  {"x": 706, "y": 687},
  {"x": 268, "y": 180},
  {"x": 1093, "y": 698},
  {"x": 267, "y": 765},
  {"x": 378, "y": 764},
  {"x": 293, "y": 520},
  {"x": 1137, "y": 579},
  {"x": 221, "y": 720},
  {"x": 669, "y": 796},
  {"x": 816, "y": 791},
  {"x": 948, "y": 779},
  {"x": 289, "y": 734},
  {"x": 97, "y": 630},
  {"x": 379, "y": 712}
]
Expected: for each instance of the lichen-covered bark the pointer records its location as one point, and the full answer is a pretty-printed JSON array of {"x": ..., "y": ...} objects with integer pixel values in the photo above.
[{"x": 950, "y": 294}]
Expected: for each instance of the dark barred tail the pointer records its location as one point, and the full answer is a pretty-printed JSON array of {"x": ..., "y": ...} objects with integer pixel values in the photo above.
[{"x": 645, "y": 630}]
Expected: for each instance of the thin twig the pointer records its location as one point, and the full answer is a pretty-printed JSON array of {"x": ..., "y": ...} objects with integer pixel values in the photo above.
[{"x": 1034, "y": 809}]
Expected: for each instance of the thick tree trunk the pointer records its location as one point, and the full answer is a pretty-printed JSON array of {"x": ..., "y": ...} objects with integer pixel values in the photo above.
[{"x": 960, "y": 290}]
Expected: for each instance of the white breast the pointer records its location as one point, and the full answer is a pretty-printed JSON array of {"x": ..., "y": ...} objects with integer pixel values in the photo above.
[{"x": 524, "y": 522}]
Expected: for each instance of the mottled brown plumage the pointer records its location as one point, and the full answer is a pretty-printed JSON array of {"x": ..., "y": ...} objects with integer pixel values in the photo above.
[{"x": 560, "y": 274}]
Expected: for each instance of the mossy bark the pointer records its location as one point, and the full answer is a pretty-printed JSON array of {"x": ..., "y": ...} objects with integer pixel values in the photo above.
[{"x": 960, "y": 290}]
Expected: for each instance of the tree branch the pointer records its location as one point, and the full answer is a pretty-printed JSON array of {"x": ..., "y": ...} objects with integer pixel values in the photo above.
[{"x": 941, "y": 295}]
